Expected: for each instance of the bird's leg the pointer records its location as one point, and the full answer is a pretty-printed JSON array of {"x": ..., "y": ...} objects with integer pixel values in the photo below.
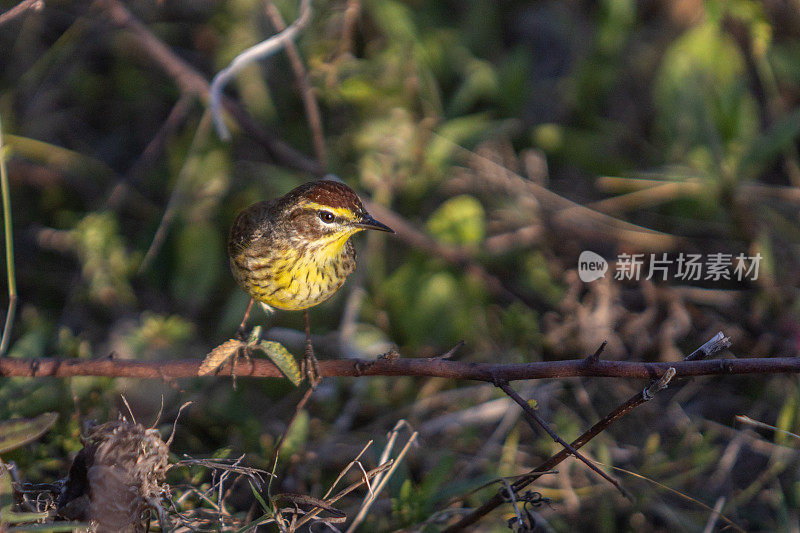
[
  {"x": 241, "y": 335},
  {"x": 241, "y": 332},
  {"x": 241, "y": 353},
  {"x": 233, "y": 366},
  {"x": 310, "y": 363}
]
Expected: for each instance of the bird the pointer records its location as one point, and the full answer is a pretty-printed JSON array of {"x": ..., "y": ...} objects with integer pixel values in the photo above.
[{"x": 294, "y": 252}]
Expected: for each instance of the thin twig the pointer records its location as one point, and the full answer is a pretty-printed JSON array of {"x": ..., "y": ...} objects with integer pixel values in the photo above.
[
  {"x": 697, "y": 187},
  {"x": 547, "y": 466},
  {"x": 512, "y": 499},
  {"x": 381, "y": 479},
  {"x": 569, "y": 215},
  {"x": 178, "y": 194},
  {"x": 534, "y": 419},
  {"x": 9, "y": 236},
  {"x": 306, "y": 91},
  {"x": 449, "y": 353},
  {"x": 299, "y": 407},
  {"x": 254, "y": 53},
  {"x": 130, "y": 411},
  {"x": 714, "y": 517},
  {"x": 715, "y": 344},
  {"x": 347, "y": 490},
  {"x": 596, "y": 355},
  {"x": 744, "y": 419},
  {"x": 187, "y": 79},
  {"x": 177, "y": 115},
  {"x": 520, "y": 238},
  {"x": 682, "y": 495},
  {"x": 351, "y": 14},
  {"x": 19, "y": 9},
  {"x": 346, "y": 469},
  {"x": 175, "y": 422}
]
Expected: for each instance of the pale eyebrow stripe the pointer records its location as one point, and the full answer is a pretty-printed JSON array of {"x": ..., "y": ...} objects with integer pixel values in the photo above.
[{"x": 338, "y": 211}]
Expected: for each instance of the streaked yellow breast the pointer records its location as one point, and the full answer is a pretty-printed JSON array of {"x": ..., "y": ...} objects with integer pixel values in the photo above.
[{"x": 297, "y": 279}]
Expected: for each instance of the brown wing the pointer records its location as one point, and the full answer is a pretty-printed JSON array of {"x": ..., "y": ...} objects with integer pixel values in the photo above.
[{"x": 250, "y": 224}]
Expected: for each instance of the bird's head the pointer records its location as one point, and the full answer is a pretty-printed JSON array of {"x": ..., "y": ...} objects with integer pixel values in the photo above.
[{"x": 327, "y": 212}]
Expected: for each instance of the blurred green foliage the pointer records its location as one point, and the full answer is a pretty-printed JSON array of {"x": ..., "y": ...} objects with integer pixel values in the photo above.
[
  {"x": 459, "y": 221},
  {"x": 157, "y": 332},
  {"x": 106, "y": 263},
  {"x": 698, "y": 95}
]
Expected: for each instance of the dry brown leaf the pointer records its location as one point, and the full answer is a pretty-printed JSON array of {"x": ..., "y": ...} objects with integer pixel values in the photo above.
[{"x": 219, "y": 356}]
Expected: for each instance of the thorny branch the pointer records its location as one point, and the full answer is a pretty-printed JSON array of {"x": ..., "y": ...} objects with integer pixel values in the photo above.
[{"x": 433, "y": 367}]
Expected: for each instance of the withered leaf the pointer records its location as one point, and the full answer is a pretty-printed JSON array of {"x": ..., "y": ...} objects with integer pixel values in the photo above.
[{"x": 219, "y": 356}]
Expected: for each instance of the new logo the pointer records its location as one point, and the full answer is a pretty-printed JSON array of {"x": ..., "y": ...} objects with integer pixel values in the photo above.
[{"x": 591, "y": 266}]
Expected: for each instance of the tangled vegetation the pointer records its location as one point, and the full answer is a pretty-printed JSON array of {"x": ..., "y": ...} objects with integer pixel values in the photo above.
[{"x": 505, "y": 139}]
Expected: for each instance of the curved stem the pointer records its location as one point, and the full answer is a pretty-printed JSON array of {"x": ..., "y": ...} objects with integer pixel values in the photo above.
[{"x": 12, "y": 280}]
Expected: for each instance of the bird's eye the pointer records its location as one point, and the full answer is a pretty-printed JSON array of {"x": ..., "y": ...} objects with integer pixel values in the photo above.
[{"x": 326, "y": 216}]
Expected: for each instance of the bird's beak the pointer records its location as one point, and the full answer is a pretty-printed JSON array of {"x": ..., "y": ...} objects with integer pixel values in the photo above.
[{"x": 367, "y": 222}]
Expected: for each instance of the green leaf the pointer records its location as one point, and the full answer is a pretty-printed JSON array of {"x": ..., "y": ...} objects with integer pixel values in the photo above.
[
  {"x": 768, "y": 146},
  {"x": 284, "y": 360},
  {"x": 394, "y": 19},
  {"x": 197, "y": 270},
  {"x": 459, "y": 221},
  {"x": 358, "y": 91},
  {"x": 297, "y": 435},
  {"x": 253, "y": 525},
  {"x": 58, "y": 157},
  {"x": 480, "y": 81},
  {"x": 9, "y": 517},
  {"x": 16, "y": 433},
  {"x": 701, "y": 97},
  {"x": 267, "y": 509},
  {"x": 106, "y": 263},
  {"x": 786, "y": 418},
  {"x": 6, "y": 492},
  {"x": 255, "y": 333},
  {"x": 459, "y": 131},
  {"x": 432, "y": 306}
]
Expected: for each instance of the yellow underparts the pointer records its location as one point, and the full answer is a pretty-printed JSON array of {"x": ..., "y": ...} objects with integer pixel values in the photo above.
[{"x": 297, "y": 281}]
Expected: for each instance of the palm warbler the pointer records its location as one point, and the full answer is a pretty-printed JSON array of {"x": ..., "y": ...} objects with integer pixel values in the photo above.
[{"x": 294, "y": 252}]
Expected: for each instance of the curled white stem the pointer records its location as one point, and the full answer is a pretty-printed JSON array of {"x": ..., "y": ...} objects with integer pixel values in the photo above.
[{"x": 254, "y": 53}]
